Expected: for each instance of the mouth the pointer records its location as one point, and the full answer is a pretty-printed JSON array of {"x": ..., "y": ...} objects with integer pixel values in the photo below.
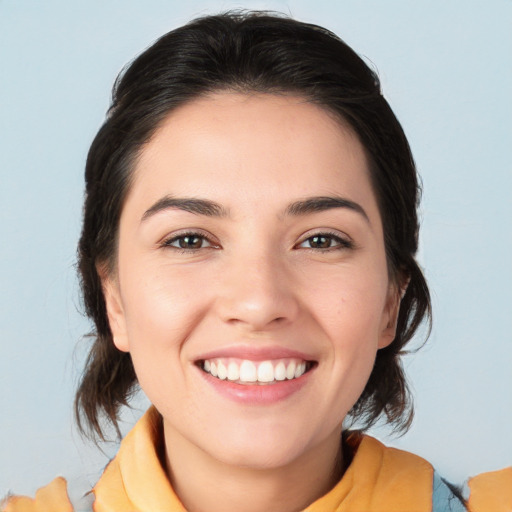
[{"x": 248, "y": 372}]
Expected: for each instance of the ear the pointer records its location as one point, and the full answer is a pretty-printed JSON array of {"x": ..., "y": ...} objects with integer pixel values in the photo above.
[
  {"x": 390, "y": 315},
  {"x": 115, "y": 311}
]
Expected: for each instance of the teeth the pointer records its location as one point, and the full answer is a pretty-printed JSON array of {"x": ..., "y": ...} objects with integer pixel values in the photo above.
[
  {"x": 290, "y": 371},
  {"x": 280, "y": 371},
  {"x": 301, "y": 368},
  {"x": 233, "y": 371},
  {"x": 222, "y": 371},
  {"x": 246, "y": 371},
  {"x": 265, "y": 372}
]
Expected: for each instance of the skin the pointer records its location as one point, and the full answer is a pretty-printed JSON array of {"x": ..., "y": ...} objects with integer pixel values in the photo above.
[{"x": 255, "y": 278}]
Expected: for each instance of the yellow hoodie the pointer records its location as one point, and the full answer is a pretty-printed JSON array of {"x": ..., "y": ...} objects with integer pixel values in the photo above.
[{"x": 379, "y": 479}]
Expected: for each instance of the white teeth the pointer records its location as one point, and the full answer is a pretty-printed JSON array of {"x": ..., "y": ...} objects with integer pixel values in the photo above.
[
  {"x": 265, "y": 372},
  {"x": 222, "y": 371},
  {"x": 280, "y": 371},
  {"x": 246, "y": 371},
  {"x": 290, "y": 371},
  {"x": 233, "y": 371},
  {"x": 301, "y": 368}
]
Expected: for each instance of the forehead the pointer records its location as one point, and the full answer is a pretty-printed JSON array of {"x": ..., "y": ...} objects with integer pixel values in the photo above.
[{"x": 253, "y": 147}]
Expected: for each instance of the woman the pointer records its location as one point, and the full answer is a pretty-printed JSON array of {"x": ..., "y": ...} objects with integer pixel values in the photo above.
[{"x": 248, "y": 258}]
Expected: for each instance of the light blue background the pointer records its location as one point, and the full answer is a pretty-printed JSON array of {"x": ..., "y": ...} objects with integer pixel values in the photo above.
[{"x": 446, "y": 68}]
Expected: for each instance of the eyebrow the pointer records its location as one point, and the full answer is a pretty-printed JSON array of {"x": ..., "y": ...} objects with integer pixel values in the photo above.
[
  {"x": 187, "y": 204},
  {"x": 323, "y": 203},
  {"x": 213, "y": 209}
]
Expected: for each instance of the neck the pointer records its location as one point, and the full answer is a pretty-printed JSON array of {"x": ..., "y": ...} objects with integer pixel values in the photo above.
[{"x": 217, "y": 486}]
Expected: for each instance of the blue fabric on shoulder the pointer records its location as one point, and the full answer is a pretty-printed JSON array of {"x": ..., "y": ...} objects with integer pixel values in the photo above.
[{"x": 443, "y": 499}]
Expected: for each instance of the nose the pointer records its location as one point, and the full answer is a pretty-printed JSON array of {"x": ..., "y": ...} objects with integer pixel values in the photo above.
[{"x": 257, "y": 294}]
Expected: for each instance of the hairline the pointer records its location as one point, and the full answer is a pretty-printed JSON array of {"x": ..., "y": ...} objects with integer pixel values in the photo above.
[{"x": 135, "y": 154}]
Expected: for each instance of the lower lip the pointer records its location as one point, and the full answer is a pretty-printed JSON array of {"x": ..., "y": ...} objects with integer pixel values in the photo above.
[{"x": 257, "y": 393}]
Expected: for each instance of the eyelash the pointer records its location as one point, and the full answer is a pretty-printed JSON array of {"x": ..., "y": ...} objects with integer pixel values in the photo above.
[
  {"x": 340, "y": 243},
  {"x": 192, "y": 234}
]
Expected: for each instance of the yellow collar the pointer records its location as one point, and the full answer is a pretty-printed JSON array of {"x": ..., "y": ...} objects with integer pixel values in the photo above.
[{"x": 379, "y": 479}]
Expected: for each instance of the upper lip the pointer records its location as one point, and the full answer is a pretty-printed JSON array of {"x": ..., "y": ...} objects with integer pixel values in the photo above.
[{"x": 253, "y": 353}]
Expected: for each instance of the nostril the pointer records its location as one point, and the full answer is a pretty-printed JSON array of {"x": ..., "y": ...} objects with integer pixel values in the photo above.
[
  {"x": 256, "y": 323},
  {"x": 255, "y": 307}
]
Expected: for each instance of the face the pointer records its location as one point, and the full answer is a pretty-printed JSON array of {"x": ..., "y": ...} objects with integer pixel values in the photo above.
[{"x": 251, "y": 286}]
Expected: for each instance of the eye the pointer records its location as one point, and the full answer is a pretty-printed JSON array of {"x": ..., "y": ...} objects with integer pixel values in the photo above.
[
  {"x": 188, "y": 242},
  {"x": 325, "y": 242}
]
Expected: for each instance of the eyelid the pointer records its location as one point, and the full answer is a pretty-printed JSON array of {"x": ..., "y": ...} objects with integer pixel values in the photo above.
[
  {"x": 344, "y": 241},
  {"x": 176, "y": 235}
]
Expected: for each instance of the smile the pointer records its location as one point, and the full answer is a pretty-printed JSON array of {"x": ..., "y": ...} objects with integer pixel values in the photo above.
[{"x": 245, "y": 371}]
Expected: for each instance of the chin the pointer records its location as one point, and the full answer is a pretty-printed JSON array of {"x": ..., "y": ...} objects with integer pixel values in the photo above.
[
  {"x": 267, "y": 447},
  {"x": 258, "y": 457}
]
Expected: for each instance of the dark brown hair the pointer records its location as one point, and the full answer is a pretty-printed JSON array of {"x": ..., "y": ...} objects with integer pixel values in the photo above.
[{"x": 246, "y": 52}]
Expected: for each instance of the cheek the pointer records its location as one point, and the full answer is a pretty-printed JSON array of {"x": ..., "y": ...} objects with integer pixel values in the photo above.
[
  {"x": 350, "y": 310},
  {"x": 160, "y": 314},
  {"x": 160, "y": 306},
  {"x": 349, "y": 304}
]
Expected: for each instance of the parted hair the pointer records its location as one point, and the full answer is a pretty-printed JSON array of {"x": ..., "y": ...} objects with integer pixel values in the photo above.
[{"x": 248, "y": 52}]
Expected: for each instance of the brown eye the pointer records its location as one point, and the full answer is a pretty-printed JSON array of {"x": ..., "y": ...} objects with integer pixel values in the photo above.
[
  {"x": 325, "y": 241},
  {"x": 190, "y": 241},
  {"x": 320, "y": 242}
]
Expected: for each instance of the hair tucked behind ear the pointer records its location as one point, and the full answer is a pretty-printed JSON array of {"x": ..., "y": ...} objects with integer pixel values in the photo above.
[{"x": 246, "y": 52}]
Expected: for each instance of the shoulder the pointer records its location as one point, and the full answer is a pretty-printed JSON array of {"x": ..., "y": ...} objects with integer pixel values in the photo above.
[
  {"x": 387, "y": 479},
  {"x": 398, "y": 474},
  {"x": 52, "y": 497},
  {"x": 491, "y": 491}
]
